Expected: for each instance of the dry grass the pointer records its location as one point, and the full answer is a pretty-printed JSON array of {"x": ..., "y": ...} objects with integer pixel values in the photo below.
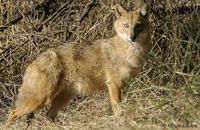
[{"x": 165, "y": 95}]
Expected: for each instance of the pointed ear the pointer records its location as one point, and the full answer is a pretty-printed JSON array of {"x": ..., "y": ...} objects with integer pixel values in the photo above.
[
  {"x": 119, "y": 10},
  {"x": 143, "y": 10}
]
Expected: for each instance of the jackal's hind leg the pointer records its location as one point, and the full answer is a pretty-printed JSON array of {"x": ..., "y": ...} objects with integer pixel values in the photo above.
[{"x": 59, "y": 101}]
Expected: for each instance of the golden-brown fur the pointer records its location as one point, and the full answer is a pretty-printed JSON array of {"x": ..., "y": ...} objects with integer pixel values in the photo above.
[{"x": 58, "y": 75}]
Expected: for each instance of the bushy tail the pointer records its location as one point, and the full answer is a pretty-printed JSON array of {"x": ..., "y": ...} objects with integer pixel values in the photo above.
[{"x": 40, "y": 85}]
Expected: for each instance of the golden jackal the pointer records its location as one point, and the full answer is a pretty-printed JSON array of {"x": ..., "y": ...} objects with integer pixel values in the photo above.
[{"x": 58, "y": 75}]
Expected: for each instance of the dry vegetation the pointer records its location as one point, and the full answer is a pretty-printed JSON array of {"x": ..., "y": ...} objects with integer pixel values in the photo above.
[{"x": 167, "y": 94}]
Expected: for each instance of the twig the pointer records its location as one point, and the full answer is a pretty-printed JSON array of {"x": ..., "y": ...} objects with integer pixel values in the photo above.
[
  {"x": 86, "y": 10},
  {"x": 25, "y": 16},
  {"x": 177, "y": 10},
  {"x": 2, "y": 69},
  {"x": 13, "y": 49},
  {"x": 82, "y": 17},
  {"x": 20, "y": 17},
  {"x": 53, "y": 15}
]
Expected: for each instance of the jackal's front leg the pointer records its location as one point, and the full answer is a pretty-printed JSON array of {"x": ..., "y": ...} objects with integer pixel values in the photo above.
[{"x": 115, "y": 96}]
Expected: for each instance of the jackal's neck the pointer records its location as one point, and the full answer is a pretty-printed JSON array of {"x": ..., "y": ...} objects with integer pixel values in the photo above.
[
  {"x": 140, "y": 47},
  {"x": 120, "y": 43}
]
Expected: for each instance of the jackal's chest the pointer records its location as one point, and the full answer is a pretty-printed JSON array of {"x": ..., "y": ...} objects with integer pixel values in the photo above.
[{"x": 126, "y": 66}]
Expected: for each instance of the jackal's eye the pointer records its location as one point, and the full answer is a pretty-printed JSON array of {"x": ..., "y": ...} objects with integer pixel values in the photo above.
[{"x": 126, "y": 25}]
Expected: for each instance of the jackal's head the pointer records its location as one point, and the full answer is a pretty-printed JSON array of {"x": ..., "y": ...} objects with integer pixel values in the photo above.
[{"x": 131, "y": 26}]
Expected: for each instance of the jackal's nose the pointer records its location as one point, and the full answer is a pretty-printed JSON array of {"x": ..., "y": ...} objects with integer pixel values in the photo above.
[{"x": 133, "y": 38}]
